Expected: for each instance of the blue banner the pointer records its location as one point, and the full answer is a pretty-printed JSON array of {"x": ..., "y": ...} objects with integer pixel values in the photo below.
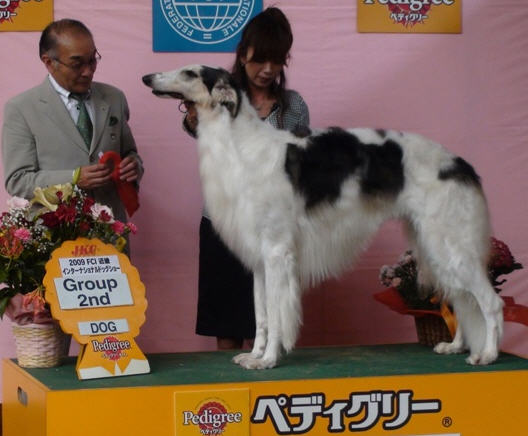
[{"x": 200, "y": 25}]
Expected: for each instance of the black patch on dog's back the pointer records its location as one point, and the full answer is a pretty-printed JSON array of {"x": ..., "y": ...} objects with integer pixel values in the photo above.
[
  {"x": 383, "y": 174},
  {"x": 460, "y": 171},
  {"x": 318, "y": 171}
]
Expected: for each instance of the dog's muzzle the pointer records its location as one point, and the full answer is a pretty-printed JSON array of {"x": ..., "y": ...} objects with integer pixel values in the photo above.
[
  {"x": 176, "y": 95},
  {"x": 149, "y": 81}
]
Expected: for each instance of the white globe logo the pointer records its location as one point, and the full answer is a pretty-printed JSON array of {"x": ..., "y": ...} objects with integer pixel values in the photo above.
[{"x": 207, "y": 21}]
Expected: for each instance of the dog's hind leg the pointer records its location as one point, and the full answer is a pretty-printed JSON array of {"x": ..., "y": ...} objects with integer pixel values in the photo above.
[
  {"x": 425, "y": 281},
  {"x": 480, "y": 320},
  {"x": 484, "y": 348},
  {"x": 259, "y": 345},
  {"x": 456, "y": 346},
  {"x": 459, "y": 268}
]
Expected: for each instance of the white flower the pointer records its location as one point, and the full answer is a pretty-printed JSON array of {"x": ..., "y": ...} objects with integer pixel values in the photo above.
[
  {"x": 98, "y": 209},
  {"x": 17, "y": 203},
  {"x": 48, "y": 197}
]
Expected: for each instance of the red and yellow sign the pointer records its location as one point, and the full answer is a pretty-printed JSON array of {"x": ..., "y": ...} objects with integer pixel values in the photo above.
[
  {"x": 97, "y": 296},
  {"x": 409, "y": 16},
  {"x": 473, "y": 402},
  {"x": 25, "y": 15}
]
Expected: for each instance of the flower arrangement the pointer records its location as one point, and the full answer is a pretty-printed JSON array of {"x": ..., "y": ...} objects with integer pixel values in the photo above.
[
  {"x": 403, "y": 276},
  {"x": 29, "y": 235}
]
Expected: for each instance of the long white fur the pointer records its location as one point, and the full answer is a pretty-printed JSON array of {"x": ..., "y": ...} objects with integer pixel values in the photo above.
[{"x": 258, "y": 214}]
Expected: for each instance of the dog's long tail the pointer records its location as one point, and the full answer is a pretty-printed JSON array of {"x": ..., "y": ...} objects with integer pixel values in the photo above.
[{"x": 290, "y": 307}]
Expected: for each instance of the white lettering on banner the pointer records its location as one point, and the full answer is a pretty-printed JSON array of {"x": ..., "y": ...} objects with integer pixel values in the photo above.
[
  {"x": 96, "y": 290},
  {"x": 73, "y": 266},
  {"x": 101, "y": 327},
  {"x": 207, "y": 417},
  {"x": 414, "y": 5},
  {"x": 393, "y": 410},
  {"x": 110, "y": 344}
]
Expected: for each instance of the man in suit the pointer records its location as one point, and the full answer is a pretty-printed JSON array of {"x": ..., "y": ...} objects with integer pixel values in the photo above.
[{"x": 54, "y": 133}]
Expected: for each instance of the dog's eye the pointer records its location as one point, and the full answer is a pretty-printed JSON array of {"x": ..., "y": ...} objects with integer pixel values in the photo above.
[{"x": 190, "y": 74}]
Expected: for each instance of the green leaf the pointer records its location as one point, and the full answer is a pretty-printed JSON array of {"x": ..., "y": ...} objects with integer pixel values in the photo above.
[{"x": 4, "y": 301}]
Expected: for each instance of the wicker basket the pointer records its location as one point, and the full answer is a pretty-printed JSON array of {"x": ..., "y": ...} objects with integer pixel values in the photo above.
[
  {"x": 40, "y": 345},
  {"x": 431, "y": 330}
]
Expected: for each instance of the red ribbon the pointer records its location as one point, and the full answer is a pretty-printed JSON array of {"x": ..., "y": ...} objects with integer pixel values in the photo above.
[
  {"x": 126, "y": 190},
  {"x": 513, "y": 312}
]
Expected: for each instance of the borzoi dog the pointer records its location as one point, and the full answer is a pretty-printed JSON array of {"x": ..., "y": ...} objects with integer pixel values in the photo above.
[{"x": 297, "y": 209}]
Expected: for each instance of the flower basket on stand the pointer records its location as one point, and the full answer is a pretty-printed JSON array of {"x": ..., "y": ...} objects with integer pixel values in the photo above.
[
  {"x": 27, "y": 239},
  {"x": 431, "y": 327},
  {"x": 434, "y": 320}
]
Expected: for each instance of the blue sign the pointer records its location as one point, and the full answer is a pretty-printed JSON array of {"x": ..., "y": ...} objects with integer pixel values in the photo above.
[{"x": 200, "y": 25}]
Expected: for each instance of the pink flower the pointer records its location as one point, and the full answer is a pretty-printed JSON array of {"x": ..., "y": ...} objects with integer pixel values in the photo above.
[
  {"x": 23, "y": 234},
  {"x": 132, "y": 227},
  {"x": 118, "y": 227}
]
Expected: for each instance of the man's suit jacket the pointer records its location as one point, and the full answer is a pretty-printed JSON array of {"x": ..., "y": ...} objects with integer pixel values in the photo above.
[{"x": 41, "y": 145}]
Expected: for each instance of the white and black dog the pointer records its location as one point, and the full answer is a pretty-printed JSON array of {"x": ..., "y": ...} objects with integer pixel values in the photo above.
[{"x": 297, "y": 209}]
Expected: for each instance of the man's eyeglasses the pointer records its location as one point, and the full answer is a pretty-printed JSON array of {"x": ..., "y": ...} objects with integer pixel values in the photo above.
[{"x": 79, "y": 65}]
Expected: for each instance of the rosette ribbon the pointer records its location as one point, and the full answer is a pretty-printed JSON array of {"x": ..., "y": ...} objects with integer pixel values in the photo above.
[{"x": 126, "y": 190}]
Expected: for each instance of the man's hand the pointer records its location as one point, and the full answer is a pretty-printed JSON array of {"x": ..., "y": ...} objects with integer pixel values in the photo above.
[
  {"x": 94, "y": 176},
  {"x": 129, "y": 169}
]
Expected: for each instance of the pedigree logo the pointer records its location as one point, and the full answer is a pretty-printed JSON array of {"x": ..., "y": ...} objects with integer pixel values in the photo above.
[
  {"x": 111, "y": 347},
  {"x": 223, "y": 412},
  {"x": 16, "y": 15},
  {"x": 8, "y": 9},
  {"x": 212, "y": 418},
  {"x": 427, "y": 16}
]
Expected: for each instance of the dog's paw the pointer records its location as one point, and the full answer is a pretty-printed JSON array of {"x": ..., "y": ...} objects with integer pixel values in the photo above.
[
  {"x": 239, "y": 358},
  {"x": 249, "y": 361},
  {"x": 448, "y": 348},
  {"x": 484, "y": 358}
]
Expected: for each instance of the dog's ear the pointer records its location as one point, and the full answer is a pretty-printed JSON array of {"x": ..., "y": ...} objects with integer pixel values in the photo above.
[{"x": 225, "y": 93}]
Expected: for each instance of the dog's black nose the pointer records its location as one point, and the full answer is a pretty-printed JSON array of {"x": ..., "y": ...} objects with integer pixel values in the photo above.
[{"x": 147, "y": 80}]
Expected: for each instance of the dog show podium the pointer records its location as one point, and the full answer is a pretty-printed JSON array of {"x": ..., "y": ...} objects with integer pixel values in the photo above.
[{"x": 399, "y": 389}]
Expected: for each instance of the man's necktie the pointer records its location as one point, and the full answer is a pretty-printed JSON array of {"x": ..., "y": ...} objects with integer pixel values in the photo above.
[{"x": 84, "y": 124}]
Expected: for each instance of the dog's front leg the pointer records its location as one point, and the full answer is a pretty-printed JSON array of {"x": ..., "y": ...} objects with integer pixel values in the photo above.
[
  {"x": 261, "y": 322},
  {"x": 276, "y": 286}
]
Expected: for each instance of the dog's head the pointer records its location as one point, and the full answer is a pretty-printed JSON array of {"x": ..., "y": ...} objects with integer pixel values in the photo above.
[{"x": 202, "y": 85}]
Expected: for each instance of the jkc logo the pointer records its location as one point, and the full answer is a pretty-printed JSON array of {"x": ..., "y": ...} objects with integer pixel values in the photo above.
[
  {"x": 84, "y": 250},
  {"x": 207, "y": 21},
  {"x": 212, "y": 417}
]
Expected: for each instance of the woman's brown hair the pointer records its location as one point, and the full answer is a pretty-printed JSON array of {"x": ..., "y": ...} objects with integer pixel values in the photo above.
[{"x": 269, "y": 34}]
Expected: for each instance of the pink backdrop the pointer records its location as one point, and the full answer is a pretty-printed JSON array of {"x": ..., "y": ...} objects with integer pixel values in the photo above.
[{"x": 467, "y": 91}]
